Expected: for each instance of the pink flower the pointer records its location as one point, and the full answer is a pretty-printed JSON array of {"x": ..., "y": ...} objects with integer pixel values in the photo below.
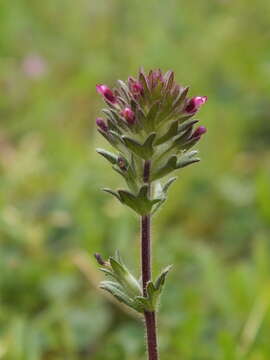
[
  {"x": 195, "y": 103},
  {"x": 155, "y": 77},
  {"x": 129, "y": 115},
  {"x": 135, "y": 87},
  {"x": 102, "y": 124},
  {"x": 34, "y": 66},
  {"x": 199, "y": 132},
  {"x": 107, "y": 93}
]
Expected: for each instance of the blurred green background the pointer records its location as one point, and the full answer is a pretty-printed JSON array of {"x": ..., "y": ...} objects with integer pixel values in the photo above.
[{"x": 214, "y": 227}]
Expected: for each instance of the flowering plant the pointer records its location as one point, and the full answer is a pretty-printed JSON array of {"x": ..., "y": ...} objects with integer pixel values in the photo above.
[{"x": 150, "y": 123}]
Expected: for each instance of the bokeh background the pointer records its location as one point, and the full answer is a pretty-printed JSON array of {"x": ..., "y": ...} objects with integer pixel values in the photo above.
[{"x": 214, "y": 227}]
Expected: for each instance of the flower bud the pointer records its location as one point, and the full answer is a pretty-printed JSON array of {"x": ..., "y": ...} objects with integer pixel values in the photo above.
[
  {"x": 107, "y": 93},
  {"x": 102, "y": 124},
  {"x": 155, "y": 77},
  {"x": 135, "y": 87},
  {"x": 122, "y": 163},
  {"x": 199, "y": 132},
  {"x": 129, "y": 115},
  {"x": 99, "y": 259},
  {"x": 194, "y": 104}
]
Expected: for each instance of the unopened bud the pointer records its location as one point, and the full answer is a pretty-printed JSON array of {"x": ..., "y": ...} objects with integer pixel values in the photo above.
[
  {"x": 199, "y": 132},
  {"x": 135, "y": 87},
  {"x": 107, "y": 93},
  {"x": 156, "y": 76},
  {"x": 102, "y": 124},
  {"x": 99, "y": 259},
  {"x": 195, "y": 103},
  {"x": 129, "y": 115}
]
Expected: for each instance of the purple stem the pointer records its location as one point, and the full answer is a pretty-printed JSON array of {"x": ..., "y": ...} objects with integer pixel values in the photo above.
[{"x": 150, "y": 316}]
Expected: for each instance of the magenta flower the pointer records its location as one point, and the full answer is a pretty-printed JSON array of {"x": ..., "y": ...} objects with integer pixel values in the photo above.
[
  {"x": 155, "y": 77},
  {"x": 199, "y": 132},
  {"x": 195, "y": 103},
  {"x": 102, "y": 124},
  {"x": 134, "y": 86},
  {"x": 129, "y": 115},
  {"x": 107, "y": 93}
]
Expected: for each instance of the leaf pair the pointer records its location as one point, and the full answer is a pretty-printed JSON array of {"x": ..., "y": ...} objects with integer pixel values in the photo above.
[
  {"x": 153, "y": 291},
  {"x": 140, "y": 203},
  {"x": 173, "y": 163},
  {"x": 126, "y": 289},
  {"x": 124, "y": 286},
  {"x": 145, "y": 150}
]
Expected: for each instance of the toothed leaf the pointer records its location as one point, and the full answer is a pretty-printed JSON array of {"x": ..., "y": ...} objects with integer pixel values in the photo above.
[
  {"x": 114, "y": 193},
  {"x": 140, "y": 202},
  {"x": 165, "y": 169},
  {"x": 159, "y": 283},
  {"x": 172, "y": 131},
  {"x": 145, "y": 150}
]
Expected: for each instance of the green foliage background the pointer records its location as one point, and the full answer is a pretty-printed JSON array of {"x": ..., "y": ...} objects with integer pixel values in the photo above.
[{"x": 214, "y": 227}]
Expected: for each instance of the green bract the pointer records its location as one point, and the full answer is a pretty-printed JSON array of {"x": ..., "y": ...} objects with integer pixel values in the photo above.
[
  {"x": 127, "y": 289},
  {"x": 148, "y": 119}
]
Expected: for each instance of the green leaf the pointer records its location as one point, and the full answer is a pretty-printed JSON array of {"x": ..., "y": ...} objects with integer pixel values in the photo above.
[
  {"x": 111, "y": 115},
  {"x": 124, "y": 88},
  {"x": 114, "y": 193},
  {"x": 129, "y": 199},
  {"x": 169, "y": 82},
  {"x": 187, "y": 159},
  {"x": 107, "y": 283},
  {"x": 118, "y": 258},
  {"x": 187, "y": 124},
  {"x": 180, "y": 98},
  {"x": 112, "y": 158},
  {"x": 145, "y": 150},
  {"x": 144, "y": 82},
  {"x": 107, "y": 272},
  {"x": 118, "y": 293},
  {"x": 168, "y": 184},
  {"x": 150, "y": 288},
  {"x": 159, "y": 283},
  {"x": 124, "y": 286},
  {"x": 169, "y": 166},
  {"x": 118, "y": 268},
  {"x": 116, "y": 136},
  {"x": 153, "y": 291},
  {"x": 140, "y": 202},
  {"x": 188, "y": 144},
  {"x": 182, "y": 138},
  {"x": 152, "y": 115},
  {"x": 144, "y": 303},
  {"x": 163, "y": 194},
  {"x": 172, "y": 131}
]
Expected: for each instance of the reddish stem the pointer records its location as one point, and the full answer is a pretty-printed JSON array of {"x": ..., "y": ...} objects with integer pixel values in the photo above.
[{"x": 150, "y": 317}]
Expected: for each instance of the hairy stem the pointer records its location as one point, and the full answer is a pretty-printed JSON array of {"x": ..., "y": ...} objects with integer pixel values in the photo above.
[{"x": 150, "y": 317}]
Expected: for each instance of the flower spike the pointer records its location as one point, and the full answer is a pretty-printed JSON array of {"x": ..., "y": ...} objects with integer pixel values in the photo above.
[
  {"x": 149, "y": 121},
  {"x": 149, "y": 118}
]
